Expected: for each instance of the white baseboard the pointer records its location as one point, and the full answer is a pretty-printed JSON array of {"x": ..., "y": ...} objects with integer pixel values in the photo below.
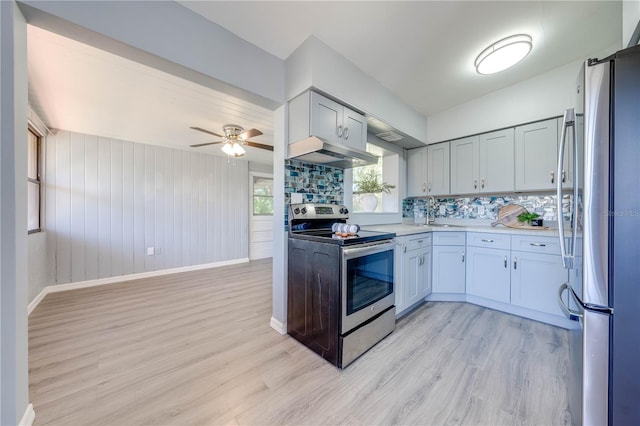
[
  {"x": 278, "y": 326},
  {"x": 28, "y": 417},
  {"x": 112, "y": 280}
]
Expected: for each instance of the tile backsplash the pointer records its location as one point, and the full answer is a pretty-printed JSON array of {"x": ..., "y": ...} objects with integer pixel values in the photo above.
[
  {"x": 316, "y": 183},
  {"x": 488, "y": 207}
]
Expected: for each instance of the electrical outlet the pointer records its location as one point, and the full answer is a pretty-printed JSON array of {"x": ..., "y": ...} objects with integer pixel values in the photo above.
[
  {"x": 442, "y": 210},
  {"x": 149, "y": 251},
  {"x": 480, "y": 210},
  {"x": 296, "y": 198}
]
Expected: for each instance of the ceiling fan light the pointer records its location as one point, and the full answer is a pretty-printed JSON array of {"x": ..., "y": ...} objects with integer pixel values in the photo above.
[
  {"x": 233, "y": 149},
  {"x": 503, "y": 54},
  {"x": 238, "y": 150}
]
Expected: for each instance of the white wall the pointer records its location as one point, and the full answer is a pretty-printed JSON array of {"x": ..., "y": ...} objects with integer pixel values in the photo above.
[
  {"x": 14, "y": 393},
  {"x": 109, "y": 200},
  {"x": 630, "y": 19},
  {"x": 544, "y": 96}
]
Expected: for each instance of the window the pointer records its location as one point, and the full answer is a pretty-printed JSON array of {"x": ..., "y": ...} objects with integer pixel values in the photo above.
[
  {"x": 33, "y": 182},
  {"x": 386, "y": 171},
  {"x": 262, "y": 196}
]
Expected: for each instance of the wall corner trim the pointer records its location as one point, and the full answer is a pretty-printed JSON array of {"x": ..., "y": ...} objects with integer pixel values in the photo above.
[
  {"x": 28, "y": 417},
  {"x": 278, "y": 326},
  {"x": 112, "y": 280}
]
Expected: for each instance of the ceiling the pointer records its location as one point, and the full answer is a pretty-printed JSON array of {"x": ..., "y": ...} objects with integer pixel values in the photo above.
[
  {"x": 73, "y": 86},
  {"x": 421, "y": 51}
]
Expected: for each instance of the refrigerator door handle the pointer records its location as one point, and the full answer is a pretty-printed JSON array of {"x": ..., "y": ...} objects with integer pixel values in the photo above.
[
  {"x": 568, "y": 120},
  {"x": 570, "y": 313}
]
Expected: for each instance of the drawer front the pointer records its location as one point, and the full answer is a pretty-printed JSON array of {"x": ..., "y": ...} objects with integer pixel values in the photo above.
[
  {"x": 419, "y": 241},
  {"x": 531, "y": 243},
  {"x": 449, "y": 238},
  {"x": 489, "y": 240}
]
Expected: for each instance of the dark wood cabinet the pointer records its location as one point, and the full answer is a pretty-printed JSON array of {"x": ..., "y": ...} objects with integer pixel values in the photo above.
[{"x": 313, "y": 311}]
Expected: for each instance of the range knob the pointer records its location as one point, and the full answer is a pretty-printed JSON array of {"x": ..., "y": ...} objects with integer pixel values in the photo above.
[
  {"x": 296, "y": 210},
  {"x": 345, "y": 211},
  {"x": 304, "y": 210}
]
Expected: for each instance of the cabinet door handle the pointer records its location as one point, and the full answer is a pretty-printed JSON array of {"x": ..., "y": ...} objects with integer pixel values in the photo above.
[
  {"x": 505, "y": 261},
  {"x": 564, "y": 176},
  {"x": 339, "y": 131},
  {"x": 420, "y": 241},
  {"x": 429, "y": 186},
  {"x": 537, "y": 244},
  {"x": 404, "y": 249},
  {"x": 487, "y": 241},
  {"x": 346, "y": 133},
  {"x": 515, "y": 263},
  {"x": 462, "y": 253},
  {"x": 475, "y": 184},
  {"x": 424, "y": 187},
  {"x": 483, "y": 183},
  {"x": 553, "y": 177}
]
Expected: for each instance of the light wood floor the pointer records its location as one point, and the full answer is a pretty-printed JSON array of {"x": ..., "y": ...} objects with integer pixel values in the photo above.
[{"x": 196, "y": 349}]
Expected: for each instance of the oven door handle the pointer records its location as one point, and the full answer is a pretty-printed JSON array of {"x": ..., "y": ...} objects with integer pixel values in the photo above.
[{"x": 350, "y": 253}]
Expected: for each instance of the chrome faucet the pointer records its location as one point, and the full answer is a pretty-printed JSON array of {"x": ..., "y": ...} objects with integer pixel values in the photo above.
[{"x": 430, "y": 206}]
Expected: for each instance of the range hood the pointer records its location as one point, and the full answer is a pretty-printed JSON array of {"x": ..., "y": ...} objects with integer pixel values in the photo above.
[{"x": 316, "y": 150}]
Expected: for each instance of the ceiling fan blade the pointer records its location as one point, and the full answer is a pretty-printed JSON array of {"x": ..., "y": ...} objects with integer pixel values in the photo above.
[
  {"x": 249, "y": 134},
  {"x": 200, "y": 129},
  {"x": 258, "y": 145},
  {"x": 205, "y": 144}
]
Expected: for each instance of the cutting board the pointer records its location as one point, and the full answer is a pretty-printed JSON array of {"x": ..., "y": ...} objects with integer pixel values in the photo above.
[{"x": 508, "y": 216}]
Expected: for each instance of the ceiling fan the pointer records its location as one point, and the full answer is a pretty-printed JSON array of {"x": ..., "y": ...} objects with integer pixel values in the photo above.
[{"x": 234, "y": 138}]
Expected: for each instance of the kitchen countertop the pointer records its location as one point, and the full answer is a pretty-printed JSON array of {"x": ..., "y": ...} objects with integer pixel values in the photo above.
[{"x": 402, "y": 229}]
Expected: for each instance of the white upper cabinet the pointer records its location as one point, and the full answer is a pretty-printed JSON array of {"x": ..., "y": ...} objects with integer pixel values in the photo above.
[
  {"x": 337, "y": 123},
  {"x": 354, "y": 134},
  {"x": 496, "y": 161},
  {"x": 465, "y": 164},
  {"x": 536, "y": 155},
  {"x": 481, "y": 164},
  {"x": 438, "y": 169},
  {"x": 312, "y": 114},
  {"x": 417, "y": 172}
]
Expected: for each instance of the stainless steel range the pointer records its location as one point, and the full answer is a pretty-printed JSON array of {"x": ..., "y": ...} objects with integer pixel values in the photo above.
[{"x": 340, "y": 288}]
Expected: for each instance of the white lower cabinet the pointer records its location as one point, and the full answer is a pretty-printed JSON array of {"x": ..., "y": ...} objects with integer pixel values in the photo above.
[
  {"x": 448, "y": 269},
  {"x": 518, "y": 274},
  {"x": 488, "y": 273},
  {"x": 535, "y": 279},
  {"x": 448, "y": 262},
  {"x": 414, "y": 278}
]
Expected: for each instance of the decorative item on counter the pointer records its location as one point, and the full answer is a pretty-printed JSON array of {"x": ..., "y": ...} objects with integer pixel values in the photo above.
[
  {"x": 508, "y": 215},
  {"x": 537, "y": 221},
  {"x": 367, "y": 185},
  {"x": 516, "y": 216},
  {"x": 527, "y": 217},
  {"x": 342, "y": 230}
]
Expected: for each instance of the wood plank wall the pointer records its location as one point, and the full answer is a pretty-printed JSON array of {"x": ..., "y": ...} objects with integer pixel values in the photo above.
[{"x": 107, "y": 200}]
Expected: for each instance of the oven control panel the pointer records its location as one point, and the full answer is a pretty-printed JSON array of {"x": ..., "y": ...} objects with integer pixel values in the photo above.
[{"x": 318, "y": 211}]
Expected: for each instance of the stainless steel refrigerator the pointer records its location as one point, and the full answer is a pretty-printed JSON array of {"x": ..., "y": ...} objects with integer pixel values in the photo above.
[{"x": 602, "y": 249}]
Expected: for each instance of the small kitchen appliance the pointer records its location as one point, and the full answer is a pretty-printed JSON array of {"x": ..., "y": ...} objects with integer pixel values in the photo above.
[{"x": 340, "y": 288}]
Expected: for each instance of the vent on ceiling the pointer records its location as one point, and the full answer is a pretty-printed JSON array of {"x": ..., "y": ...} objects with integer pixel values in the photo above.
[{"x": 390, "y": 136}]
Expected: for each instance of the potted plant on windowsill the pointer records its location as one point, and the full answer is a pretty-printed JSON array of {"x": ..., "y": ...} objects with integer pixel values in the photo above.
[{"x": 368, "y": 186}]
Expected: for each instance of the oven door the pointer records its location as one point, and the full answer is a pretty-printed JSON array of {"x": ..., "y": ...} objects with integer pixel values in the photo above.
[{"x": 367, "y": 282}]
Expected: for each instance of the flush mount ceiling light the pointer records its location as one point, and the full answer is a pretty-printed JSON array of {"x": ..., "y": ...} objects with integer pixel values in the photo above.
[{"x": 503, "y": 54}]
